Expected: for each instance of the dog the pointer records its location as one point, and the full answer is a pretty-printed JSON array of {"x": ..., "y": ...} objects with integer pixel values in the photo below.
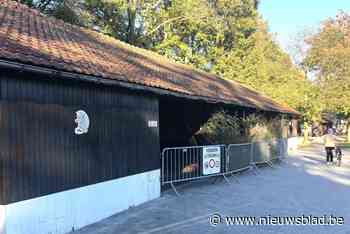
[{"x": 339, "y": 155}]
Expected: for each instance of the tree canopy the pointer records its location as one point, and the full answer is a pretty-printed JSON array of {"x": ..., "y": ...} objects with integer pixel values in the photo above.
[{"x": 329, "y": 58}]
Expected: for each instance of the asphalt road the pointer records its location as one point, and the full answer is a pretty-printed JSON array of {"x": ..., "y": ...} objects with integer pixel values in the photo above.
[{"x": 303, "y": 188}]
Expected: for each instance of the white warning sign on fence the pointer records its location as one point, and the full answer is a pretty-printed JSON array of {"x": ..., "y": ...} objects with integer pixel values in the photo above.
[{"x": 211, "y": 160}]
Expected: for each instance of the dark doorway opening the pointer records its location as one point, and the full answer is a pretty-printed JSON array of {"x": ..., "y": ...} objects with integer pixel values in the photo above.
[{"x": 180, "y": 119}]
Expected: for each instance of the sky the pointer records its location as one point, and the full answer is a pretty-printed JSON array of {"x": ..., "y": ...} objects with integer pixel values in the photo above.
[{"x": 288, "y": 17}]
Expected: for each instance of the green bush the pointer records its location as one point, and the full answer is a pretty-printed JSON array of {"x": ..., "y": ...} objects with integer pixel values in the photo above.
[
  {"x": 225, "y": 128},
  {"x": 258, "y": 127}
]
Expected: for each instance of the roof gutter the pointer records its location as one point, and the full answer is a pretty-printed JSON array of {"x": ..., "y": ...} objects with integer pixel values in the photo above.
[{"x": 93, "y": 79}]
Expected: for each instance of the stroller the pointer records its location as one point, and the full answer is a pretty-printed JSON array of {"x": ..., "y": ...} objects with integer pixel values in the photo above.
[{"x": 339, "y": 155}]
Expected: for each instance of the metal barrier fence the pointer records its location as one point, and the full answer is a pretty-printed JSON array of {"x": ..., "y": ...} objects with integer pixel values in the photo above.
[
  {"x": 283, "y": 148},
  {"x": 182, "y": 164},
  {"x": 238, "y": 157},
  {"x": 261, "y": 152}
]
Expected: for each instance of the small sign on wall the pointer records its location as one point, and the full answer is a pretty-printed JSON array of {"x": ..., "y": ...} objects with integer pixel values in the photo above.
[
  {"x": 152, "y": 124},
  {"x": 83, "y": 121},
  {"x": 211, "y": 160}
]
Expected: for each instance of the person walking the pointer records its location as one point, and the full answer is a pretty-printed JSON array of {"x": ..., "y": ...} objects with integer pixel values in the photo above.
[{"x": 329, "y": 143}]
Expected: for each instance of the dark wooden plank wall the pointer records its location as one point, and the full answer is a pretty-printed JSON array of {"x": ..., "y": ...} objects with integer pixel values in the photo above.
[{"x": 40, "y": 154}]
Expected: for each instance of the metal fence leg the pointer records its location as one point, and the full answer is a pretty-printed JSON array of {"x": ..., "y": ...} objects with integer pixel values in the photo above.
[
  {"x": 256, "y": 169},
  {"x": 226, "y": 179},
  {"x": 173, "y": 187},
  {"x": 215, "y": 179},
  {"x": 281, "y": 160},
  {"x": 269, "y": 163},
  {"x": 277, "y": 162},
  {"x": 235, "y": 178},
  {"x": 252, "y": 164}
]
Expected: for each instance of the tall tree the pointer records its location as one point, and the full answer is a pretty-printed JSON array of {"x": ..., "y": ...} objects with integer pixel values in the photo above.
[
  {"x": 122, "y": 19},
  {"x": 71, "y": 11},
  {"x": 199, "y": 32},
  {"x": 329, "y": 58},
  {"x": 261, "y": 64}
]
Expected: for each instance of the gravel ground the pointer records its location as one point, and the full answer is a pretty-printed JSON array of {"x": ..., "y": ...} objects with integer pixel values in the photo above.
[{"x": 303, "y": 185}]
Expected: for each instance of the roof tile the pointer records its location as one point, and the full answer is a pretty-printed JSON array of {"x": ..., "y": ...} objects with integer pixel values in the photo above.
[{"x": 28, "y": 36}]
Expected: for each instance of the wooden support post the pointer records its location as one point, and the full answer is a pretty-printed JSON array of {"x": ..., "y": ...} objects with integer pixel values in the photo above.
[{"x": 294, "y": 127}]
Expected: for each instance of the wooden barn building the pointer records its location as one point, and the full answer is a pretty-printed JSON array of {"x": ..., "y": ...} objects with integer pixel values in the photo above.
[{"x": 83, "y": 117}]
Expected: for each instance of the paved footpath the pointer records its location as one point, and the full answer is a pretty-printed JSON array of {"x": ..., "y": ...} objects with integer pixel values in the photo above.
[{"x": 303, "y": 185}]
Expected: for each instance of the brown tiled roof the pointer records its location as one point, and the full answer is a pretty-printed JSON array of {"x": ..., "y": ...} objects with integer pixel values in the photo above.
[{"x": 29, "y": 37}]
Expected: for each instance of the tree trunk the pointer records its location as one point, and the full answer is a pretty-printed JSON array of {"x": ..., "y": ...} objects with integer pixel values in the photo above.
[
  {"x": 131, "y": 22},
  {"x": 307, "y": 128}
]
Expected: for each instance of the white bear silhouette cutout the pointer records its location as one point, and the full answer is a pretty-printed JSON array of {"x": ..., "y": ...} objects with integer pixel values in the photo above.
[{"x": 83, "y": 121}]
